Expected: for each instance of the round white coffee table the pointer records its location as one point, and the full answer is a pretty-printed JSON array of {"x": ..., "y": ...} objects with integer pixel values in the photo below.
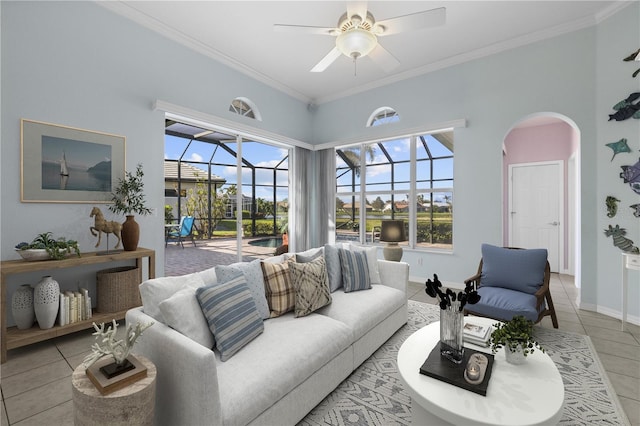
[{"x": 528, "y": 394}]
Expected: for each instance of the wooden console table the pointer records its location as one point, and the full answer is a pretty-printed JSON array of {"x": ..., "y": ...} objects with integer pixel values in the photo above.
[{"x": 13, "y": 338}]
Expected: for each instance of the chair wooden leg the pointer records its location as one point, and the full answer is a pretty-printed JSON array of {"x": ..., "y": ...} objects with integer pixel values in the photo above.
[{"x": 552, "y": 309}]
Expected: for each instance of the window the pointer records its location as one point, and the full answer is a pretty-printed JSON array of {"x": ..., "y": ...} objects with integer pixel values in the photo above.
[
  {"x": 407, "y": 178},
  {"x": 245, "y": 107},
  {"x": 382, "y": 115}
]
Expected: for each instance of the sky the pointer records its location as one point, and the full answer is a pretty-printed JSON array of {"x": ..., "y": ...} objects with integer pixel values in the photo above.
[
  {"x": 377, "y": 177},
  {"x": 258, "y": 154}
]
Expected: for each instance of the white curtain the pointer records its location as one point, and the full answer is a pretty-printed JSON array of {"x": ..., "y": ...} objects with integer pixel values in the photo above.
[
  {"x": 299, "y": 192},
  {"x": 323, "y": 213}
]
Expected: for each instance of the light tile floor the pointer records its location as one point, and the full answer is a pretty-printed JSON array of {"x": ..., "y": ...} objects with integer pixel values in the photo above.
[{"x": 36, "y": 380}]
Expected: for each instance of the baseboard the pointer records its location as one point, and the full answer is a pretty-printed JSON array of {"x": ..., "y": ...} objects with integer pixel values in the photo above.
[{"x": 613, "y": 313}]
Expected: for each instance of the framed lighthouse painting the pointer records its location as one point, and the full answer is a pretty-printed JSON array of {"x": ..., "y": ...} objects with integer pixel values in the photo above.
[{"x": 61, "y": 164}]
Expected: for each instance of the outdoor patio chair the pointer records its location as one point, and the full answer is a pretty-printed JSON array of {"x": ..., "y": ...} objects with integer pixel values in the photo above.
[
  {"x": 184, "y": 230},
  {"x": 511, "y": 282}
]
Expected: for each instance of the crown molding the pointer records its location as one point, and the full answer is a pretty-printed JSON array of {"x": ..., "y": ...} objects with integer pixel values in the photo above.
[
  {"x": 468, "y": 56},
  {"x": 124, "y": 9},
  {"x": 613, "y": 9},
  {"x": 129, "y": 12}
]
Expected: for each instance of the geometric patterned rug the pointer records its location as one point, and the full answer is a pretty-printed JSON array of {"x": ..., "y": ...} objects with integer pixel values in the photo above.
[{"x": 374, "y": 394}]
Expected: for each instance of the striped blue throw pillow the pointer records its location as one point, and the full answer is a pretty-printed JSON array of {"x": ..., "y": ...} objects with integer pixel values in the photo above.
[
  {"x": 355, "y": 270},
  {"x": 231, "y": 314}
]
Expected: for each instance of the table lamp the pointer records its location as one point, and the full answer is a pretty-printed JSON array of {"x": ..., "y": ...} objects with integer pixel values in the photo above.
[{"x": 392, "y": 233}]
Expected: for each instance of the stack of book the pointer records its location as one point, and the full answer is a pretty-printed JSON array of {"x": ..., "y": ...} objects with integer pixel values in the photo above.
[
  {"x": 476, "y": 333},
  {"x": 74, "y": 306}
]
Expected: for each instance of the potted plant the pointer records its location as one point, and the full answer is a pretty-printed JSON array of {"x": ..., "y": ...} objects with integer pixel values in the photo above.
[
  {"x": 128, "y": 199},
  {"x": 44, "y": 246},
  {"x": 516, "y": 336}
]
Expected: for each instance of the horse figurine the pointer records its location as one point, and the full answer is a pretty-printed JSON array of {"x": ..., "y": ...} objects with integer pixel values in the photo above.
[{"x": 107, "y": 226}]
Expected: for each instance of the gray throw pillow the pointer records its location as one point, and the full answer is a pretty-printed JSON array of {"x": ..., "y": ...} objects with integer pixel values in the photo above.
[
  {"x": 334, "y": 269},
  {"x": 255, "y": 281}
]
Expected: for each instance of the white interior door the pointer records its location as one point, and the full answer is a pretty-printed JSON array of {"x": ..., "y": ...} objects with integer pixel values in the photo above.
[{"x": 536, "y": 208}]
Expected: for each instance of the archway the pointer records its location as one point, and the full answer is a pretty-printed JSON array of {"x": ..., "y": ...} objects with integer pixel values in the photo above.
[{"x": 539, "y": 143}]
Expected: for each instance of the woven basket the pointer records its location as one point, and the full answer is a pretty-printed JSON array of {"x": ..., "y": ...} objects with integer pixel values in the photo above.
[{"x": 118, "y": 289}]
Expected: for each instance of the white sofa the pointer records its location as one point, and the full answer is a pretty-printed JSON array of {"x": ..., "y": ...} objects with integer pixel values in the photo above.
[{"x": 283, "y": 373}]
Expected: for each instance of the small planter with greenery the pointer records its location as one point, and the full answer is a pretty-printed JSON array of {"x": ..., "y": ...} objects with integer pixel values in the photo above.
[
  {"x": 128, "y": 199},
  {"x": 516, "y": 336},
  {"x": 44, "y": 246}
]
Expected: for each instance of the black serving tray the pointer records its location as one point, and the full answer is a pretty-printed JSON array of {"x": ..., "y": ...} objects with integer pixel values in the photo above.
[{"x": 441, "y": 368}]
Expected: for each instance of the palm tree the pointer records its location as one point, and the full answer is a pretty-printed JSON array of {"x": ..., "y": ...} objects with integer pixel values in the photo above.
[{"x": 352, "y": 156}]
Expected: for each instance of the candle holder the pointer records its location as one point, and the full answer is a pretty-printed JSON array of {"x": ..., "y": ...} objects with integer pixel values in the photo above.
[{"x": 476, "y": 369}]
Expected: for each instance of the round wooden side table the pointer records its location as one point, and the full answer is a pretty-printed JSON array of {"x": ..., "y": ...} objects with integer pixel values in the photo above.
[{"x": 131, "y": 405}]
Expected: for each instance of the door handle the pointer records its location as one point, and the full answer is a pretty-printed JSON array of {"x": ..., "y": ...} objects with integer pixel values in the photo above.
[{"x": 554, "y": 223}]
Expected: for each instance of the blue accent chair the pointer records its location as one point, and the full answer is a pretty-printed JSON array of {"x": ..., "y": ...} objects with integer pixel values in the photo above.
[
  {"x": 511, "y": 282},
  {"x": 184, "y": 230}
]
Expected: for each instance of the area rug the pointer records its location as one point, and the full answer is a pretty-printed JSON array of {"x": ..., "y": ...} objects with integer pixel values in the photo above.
[{"x": 374, "y": 394}]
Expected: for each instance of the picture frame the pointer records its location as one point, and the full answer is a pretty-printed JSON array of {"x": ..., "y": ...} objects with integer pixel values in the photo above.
[{"x": 62, "y": 164}]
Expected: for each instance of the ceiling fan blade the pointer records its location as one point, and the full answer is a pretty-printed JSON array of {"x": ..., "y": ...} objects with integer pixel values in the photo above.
[
  {"x": 357, "y": 8},
  {"x": 383, "y": 58},
  {"x": 302, "y": 29},
  {"x": 414, "y": 21},
  {"x": 327, "y": 60}
]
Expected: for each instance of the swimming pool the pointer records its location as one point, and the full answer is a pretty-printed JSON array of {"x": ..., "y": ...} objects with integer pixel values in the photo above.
[{"x": 267, "y": 242}]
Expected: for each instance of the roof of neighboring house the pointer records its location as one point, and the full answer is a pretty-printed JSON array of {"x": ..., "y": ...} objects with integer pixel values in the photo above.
[
  {"x": 187, "y": 172},
  {"x": 357, "y": 205}
]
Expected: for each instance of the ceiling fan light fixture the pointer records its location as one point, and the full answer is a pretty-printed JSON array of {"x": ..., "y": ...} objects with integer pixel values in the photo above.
[{"x": 356, "y": 43}]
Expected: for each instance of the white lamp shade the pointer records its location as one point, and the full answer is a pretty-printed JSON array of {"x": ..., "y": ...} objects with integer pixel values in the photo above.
[{"x": 356, "y": 43}]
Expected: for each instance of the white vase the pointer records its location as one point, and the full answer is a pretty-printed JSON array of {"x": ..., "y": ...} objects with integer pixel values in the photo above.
[
  {"x": 22, "y": 307},
  {"x": 516, "y": 357},
  {"x": 46, "y": 301}
]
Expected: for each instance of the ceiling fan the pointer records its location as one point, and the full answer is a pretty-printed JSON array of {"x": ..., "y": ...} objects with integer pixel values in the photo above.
[{"x": 357, "y": 33}]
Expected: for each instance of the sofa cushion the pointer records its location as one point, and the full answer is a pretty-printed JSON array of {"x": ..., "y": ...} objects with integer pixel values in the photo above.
[
  {"x": 155, "y": 290},
  {"x": 372, "y": 261},
  {"x": 278, "y": 288},
  {"x": 231, "y": 313},
  {"x": 253, "y": 274},
  {"x": 334, "y": 268},
  {"x": 363, "y": 310},
  {"x": 288, "y": 352},
  {"x": 503, "y": 304},
  {"x": 309, "y": 255},
  {"x": 520, "y": 270},
  {"x": 311, "y": 286},
  {"x": 183, "y": 313},
  {"x": 355, "y": 271}
]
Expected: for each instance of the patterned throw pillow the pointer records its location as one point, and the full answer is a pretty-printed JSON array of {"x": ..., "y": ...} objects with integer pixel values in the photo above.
[
  {"x": 311, "y": 286},
  {"x": 231, "y": 314},
  {"x": 355, "y": 271},
  {"x": 278, "y": 288},
  {"x": 253, "y": 274}
]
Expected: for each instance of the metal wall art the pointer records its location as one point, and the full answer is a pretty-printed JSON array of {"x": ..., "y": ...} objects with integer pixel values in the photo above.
[
  {"x": 635, "y": 56},
  {"x": 631, "y": 175},
  {"x": 619, "y": 239},
  {"x": 612, "y": 206},
  {"x": 618, "y": 147},
  {"x": 627, "y": 108}
]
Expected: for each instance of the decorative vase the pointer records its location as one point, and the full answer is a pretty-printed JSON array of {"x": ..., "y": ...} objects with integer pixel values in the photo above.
[
  {"x": 451, "y": 333},
  {"x": 130, "y": 233},
  {"x": 516, "y": 357},
  {"x": 22, "y": 307},
  {"x": 46, "y": 301}
]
